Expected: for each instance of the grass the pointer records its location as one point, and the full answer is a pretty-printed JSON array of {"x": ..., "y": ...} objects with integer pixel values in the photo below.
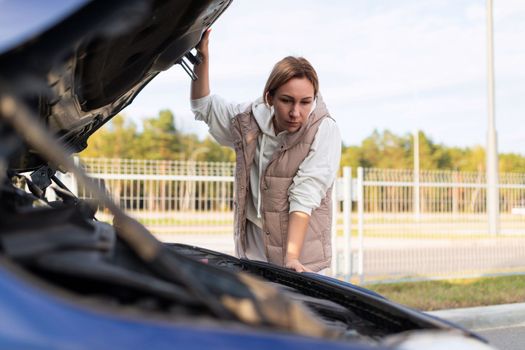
[{"x": 449, "y": 294}]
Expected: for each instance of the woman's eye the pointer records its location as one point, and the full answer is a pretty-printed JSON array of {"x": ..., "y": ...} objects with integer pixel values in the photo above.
[{"x": 306, "y": 102}]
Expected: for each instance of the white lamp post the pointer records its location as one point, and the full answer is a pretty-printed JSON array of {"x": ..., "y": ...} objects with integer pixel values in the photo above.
[{"x": 492, "y": 150}]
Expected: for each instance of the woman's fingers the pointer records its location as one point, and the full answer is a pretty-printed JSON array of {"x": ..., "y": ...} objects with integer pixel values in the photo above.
[
  {"x": 294, "y": 264},
  {"x": 202, "y": 47},
  {"x": 206, "y": 34}
]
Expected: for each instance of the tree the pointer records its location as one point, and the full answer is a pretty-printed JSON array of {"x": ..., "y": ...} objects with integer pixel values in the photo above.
[
  {"x": 216, "y": 152},
  {"x": 351, "y": 156},
  {"x": 431, "y": 156},
  {"x": 395, "y": 151},
  {"x": 383, "y": 150},
  {"x": 117, "y": 140},
  {"x": 370, "y": 151},
  {"x": 474, "y": 159},
  {"x": 159, "y": 138},
  {"x": 511, "y": 163}
]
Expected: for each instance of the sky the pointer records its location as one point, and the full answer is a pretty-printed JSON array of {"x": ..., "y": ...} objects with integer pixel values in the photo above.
[{"x": 398, "y": 65}]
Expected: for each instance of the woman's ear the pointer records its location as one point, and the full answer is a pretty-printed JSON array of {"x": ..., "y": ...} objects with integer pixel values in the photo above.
[{"x": 268, "y": 99}]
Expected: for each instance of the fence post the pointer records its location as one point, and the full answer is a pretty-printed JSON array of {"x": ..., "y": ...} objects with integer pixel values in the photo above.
[
  {"x": 347, "y": 222},
  {"x": 417, "y": 185},
  {"x": 335, "y": 211},
  {"x": 360, "y": 223}
]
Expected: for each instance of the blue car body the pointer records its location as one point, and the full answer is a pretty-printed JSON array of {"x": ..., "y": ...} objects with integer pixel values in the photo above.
[{"x": 30, "y": 318}]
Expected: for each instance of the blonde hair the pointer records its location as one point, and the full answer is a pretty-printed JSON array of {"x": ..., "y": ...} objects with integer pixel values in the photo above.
[{"x": 288, "y": 68}]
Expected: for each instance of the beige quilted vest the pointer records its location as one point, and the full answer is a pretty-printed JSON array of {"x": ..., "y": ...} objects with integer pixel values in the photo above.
[{"x": 277, "y": 178}]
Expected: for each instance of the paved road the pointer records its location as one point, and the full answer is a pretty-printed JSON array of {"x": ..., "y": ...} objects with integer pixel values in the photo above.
[
  {"x": 449, "y": 260},
  {"x": 398, "y": 258},
  {"x": 502, "y": 325},
  {"x": 505, "y": 338}
]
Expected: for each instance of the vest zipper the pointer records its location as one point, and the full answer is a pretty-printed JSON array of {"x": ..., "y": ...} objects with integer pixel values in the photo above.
[{"x": 262, "y": 182}]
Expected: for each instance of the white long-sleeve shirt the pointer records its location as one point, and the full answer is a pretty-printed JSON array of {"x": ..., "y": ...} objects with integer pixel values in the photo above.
[{"x": 316, "y": 173}]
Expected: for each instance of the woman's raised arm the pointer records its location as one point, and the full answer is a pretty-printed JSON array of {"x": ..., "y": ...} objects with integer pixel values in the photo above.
[{"x": 201, "y": 86}]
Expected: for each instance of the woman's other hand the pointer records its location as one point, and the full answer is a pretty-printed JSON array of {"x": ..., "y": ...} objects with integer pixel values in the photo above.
[
  {"x": 294, "y": 264},
  {"x": 297, "y": 226}
]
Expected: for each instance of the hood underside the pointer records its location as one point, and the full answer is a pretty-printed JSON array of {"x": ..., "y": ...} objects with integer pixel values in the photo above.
[{"x": 81, "y": 71}]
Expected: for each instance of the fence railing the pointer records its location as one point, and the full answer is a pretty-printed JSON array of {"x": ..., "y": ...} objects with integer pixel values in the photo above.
[
  {"x": 388, "y": 224},
  {"x": 436, "y": 226}
]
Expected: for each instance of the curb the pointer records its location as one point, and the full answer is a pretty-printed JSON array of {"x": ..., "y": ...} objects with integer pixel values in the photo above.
[{"x": 485, "y": 317}]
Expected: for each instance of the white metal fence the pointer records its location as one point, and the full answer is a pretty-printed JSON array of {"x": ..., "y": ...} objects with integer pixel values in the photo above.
[
  {"x": 435, "y": 225},
  {"x": 390, "y": 224}
]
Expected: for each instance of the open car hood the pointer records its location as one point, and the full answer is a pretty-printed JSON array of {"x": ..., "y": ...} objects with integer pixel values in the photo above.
[{"x": 79, "y": 71}]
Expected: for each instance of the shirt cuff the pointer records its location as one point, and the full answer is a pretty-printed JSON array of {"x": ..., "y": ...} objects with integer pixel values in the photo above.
[
  {"x": 197, "y": 103},
  {"x": 294, "y": 206}
]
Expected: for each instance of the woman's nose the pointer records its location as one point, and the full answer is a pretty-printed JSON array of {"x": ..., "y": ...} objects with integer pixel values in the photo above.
[{"x": 294, "y": 112}]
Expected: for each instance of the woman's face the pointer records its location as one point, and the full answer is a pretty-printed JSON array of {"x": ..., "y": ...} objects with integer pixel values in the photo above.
[{"x": 292, "y": 104}]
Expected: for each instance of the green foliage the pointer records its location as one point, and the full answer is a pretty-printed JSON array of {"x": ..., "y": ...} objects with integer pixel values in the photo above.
[
  {"x": 352, "y": 156},
  {"x": 512, "y": 163},
  {"x": 160, "y": 139},
  {"x": 216, "y": 152},
  {"x": 387, "y": 150},
  {"x": 116, "y": 140}
]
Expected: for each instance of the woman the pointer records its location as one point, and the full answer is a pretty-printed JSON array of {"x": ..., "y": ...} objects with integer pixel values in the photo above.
[{"x": 288, "y": 150}]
